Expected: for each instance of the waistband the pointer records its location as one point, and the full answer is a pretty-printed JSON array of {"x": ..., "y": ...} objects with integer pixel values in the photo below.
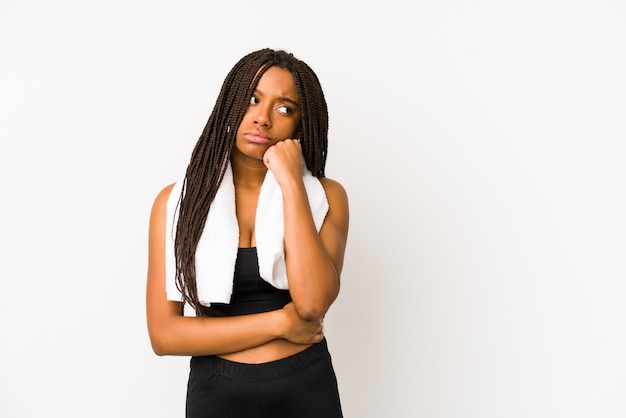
[{"x": 263, "y": 371}]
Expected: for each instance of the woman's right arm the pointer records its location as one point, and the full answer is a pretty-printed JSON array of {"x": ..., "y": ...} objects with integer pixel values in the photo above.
[{"x": 171, "y": 333}]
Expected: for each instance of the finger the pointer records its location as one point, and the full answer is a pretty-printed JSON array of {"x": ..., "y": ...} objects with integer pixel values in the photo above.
[{"x": 266, "y": 157}]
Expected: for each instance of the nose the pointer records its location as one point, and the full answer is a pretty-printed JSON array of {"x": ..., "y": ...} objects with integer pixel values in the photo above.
[{"x": 262, "y": 116}]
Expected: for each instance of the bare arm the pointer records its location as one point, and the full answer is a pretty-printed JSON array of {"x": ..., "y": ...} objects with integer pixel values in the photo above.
[
  {"x": 314, "y": 261},
  {"x": 173, "y": 334}
]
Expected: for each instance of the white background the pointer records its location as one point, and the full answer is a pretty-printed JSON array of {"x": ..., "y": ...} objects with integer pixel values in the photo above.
[{"x": 482, "y": 144}]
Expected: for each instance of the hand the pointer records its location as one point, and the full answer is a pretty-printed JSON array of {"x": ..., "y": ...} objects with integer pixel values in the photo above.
[
  {"x": 298, "y": 330},
  {"x": 285, "y": 160}
]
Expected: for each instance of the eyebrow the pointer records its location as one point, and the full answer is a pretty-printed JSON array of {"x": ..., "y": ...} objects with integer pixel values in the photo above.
[
  {"x": 281, "y": 98},
  {"x": 287, "y": 99}
]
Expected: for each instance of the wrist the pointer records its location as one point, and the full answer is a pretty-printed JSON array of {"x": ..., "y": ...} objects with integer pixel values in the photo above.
[
  {"x": 278, "y": 323},
  {"x": 292, "y": 184}
]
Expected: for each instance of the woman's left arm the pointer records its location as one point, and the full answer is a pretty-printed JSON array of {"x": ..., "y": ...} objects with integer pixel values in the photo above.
[{"x": 314, "y": 260}]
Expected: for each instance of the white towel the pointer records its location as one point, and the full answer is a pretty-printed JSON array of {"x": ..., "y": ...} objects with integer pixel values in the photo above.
[{"x": 217, "y": 249}]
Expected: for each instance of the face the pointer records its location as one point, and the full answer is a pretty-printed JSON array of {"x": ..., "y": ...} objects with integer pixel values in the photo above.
[{"x": 273, "y": 114}]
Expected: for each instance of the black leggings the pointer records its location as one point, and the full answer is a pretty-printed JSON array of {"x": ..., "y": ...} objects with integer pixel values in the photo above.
[{"x": 300, "y": 386}]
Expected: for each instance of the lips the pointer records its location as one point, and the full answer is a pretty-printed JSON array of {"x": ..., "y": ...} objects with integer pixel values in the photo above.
[{"x": 257, "y": 137}]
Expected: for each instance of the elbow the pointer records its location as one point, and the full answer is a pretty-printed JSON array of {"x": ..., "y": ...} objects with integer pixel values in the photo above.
[
  {"x": 310, "y": 315},
  {"x": 311, "y": 312},
  {"x": 312, "y": 305},
  {"x": 161, "y": 344},
  {"x": 158, "y": 346},
  {"x": 159, "y": 350}
]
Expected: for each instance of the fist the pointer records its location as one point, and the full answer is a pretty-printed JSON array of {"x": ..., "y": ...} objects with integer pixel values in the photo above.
[{"x": 284, "y": 159}]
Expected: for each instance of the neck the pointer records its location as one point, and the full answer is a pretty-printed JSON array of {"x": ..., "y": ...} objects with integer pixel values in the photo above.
[{"x": 247, "y": 172}]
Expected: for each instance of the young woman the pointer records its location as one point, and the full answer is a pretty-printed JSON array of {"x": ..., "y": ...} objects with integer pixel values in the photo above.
[{"x": 245, "y": 252}]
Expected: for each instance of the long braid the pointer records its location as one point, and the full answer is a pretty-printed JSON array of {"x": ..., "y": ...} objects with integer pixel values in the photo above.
[{"x": 211, "y": 154}]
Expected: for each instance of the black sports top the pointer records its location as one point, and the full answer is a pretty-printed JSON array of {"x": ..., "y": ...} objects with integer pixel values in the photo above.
[{"x": 251, "y": 294}]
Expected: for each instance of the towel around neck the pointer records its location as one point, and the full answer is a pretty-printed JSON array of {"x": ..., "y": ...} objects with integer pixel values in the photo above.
[{"x": 217, "y": 248}]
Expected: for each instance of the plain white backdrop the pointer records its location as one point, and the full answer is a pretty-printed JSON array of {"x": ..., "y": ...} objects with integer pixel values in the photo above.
[{"x": 482, "y": 145}]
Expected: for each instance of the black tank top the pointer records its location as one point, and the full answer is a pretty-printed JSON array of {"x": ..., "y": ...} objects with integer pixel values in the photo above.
[{"x": 251, "y": 294}]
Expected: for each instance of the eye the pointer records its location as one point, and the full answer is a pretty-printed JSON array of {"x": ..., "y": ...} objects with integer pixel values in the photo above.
[
  {"x": 286, "y": 110},
  {"x": 254, "y": 100}
]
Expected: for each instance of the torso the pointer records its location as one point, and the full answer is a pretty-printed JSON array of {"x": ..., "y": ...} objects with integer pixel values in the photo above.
[
  {"x": 246, "y": 202},
  {"x": 274, "y": 350}
]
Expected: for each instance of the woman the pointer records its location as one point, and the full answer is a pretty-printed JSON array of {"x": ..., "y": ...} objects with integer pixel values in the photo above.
[{"x": 245, "y": 253}]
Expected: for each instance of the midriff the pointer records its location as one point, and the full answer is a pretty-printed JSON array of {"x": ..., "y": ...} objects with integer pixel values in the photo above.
[{"x": 273, "y": 350}]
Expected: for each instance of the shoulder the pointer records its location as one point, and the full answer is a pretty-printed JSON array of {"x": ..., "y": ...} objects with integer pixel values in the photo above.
[
  {"x": 159, "y": 206},
  {"x": 163, "y": 195},
  {"x": 338, "y": 216},
  {"x": 335, "y": 193},
  {"x": 333, "y": 187}
]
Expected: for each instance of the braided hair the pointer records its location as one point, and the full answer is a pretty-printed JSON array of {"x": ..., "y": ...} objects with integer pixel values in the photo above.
[{"x": 211, "y": 154}]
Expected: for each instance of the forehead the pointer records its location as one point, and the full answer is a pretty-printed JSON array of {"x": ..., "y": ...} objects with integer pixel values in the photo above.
[{"x": 278, "y": 82}]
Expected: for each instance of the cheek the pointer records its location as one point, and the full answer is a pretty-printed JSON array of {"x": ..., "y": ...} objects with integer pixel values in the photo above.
[
  {"x": 297, "y": 128},
  {"x": 293, "y": 132}
]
